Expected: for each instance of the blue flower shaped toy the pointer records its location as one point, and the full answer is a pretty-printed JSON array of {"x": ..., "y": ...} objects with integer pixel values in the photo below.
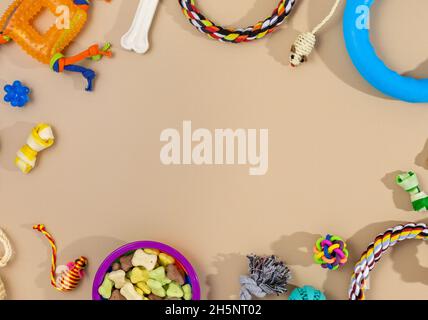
[{"x": 17, "y": 94}]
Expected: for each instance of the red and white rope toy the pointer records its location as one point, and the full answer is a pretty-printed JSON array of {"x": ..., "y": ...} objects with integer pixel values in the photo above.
[{"x": 374, "y": 253}]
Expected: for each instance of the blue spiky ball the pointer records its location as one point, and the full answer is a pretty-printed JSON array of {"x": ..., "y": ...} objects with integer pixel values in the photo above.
[{"x": 307, "y": 293}]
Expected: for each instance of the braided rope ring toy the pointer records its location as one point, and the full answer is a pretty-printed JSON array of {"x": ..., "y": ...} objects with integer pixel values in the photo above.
[
  {"x": 258, "y": 31},
  {"x": 375, "y": 250}
]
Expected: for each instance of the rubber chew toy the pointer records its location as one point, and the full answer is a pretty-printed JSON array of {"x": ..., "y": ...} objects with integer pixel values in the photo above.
[
  {"x": 409, "y": 182},
  {"x": 268, "y": 275},
  {"x": 16, "y": 25},
  {"x": 259, "y": 30},
  {"x": 307, "y": 293},
  {"x": 356, "y": 31},
  {"x": 41, "y": 138},
  {"x": 137, "y": 38},
  {"x": 374, "y": 253},
  {"x": 17, "y": 94},
  {"x": 4, "y": 260},
  {"x": 305, "y": 42},
  {"x": 69, "y": 279},
  {"x": 331, "y": 252}
]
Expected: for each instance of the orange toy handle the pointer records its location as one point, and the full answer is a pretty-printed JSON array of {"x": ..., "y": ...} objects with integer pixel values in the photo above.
[
  {"x": 92, "y": 51},
  {"x": 5, "y": 19}
]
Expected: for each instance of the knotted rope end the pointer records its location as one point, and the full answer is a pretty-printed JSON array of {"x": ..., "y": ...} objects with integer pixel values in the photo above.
[
  {"x": 39, "y": 227},
  {"x": 267, "y": 275}
]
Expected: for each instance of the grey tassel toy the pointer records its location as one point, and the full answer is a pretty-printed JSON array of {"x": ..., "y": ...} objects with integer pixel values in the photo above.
[{"x": 267, "y": 275}]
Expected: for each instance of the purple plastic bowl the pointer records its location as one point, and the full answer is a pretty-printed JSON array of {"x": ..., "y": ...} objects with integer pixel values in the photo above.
[{"x": 192, "y": 277}]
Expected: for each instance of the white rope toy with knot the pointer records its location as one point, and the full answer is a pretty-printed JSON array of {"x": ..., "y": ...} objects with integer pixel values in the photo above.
[
  {"x": 305, "y": 42},
  {"x": 4, "y": 260}
]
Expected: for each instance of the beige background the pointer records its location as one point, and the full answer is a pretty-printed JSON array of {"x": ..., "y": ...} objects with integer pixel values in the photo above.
[{"x": 335, "y": 147}]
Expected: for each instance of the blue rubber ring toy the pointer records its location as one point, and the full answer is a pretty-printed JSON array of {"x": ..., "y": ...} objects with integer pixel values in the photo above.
[{"x": 356, "y": 25}]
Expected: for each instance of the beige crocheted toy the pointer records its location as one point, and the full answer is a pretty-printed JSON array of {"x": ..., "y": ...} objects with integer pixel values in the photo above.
[
  {"x": 4, "y": 260},
  {"x": 305, "y": 42}
]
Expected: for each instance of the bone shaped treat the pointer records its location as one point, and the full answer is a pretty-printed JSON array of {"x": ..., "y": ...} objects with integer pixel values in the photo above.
[
  {"x": 129, "y": 292},
  {"x": 142, "y": 259},
  {"x": 137, "y": 37},
  {"x": 118, "y": 278},
  {"x": 40, "y": 138}
]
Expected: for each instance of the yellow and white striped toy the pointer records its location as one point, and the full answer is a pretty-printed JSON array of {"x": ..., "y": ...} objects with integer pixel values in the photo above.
[{"x": 41, "y": 138}]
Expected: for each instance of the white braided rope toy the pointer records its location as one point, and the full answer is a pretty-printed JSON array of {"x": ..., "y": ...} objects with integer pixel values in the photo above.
[
  {"x": 305, "y": 42},
  {"x": 374, "y": 253},
  {"x": 4, "y": 260}
]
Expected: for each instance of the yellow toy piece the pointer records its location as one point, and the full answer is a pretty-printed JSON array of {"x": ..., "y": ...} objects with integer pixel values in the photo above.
[
  {"x": 41, "y": 138},
  {"x": 16, "y": 25}
]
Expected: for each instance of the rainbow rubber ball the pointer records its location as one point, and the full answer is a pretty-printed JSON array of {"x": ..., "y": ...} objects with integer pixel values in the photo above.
[{"x": 330, "y": 252}]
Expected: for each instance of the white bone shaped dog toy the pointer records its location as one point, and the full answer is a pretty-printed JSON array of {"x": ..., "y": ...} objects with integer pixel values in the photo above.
[
  {"x": 137, "y": 38},
  {"x": 118, "y": 277},
  {"x": 129, "y": 292},
  {"x": 142, "y": 259}
]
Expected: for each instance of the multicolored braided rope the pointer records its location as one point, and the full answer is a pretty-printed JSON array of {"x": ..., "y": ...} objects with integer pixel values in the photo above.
[
  {"x": 259, "y": 30},
  {"x": 375, "y": 251},
  {"x": 330, "y": 252}
]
